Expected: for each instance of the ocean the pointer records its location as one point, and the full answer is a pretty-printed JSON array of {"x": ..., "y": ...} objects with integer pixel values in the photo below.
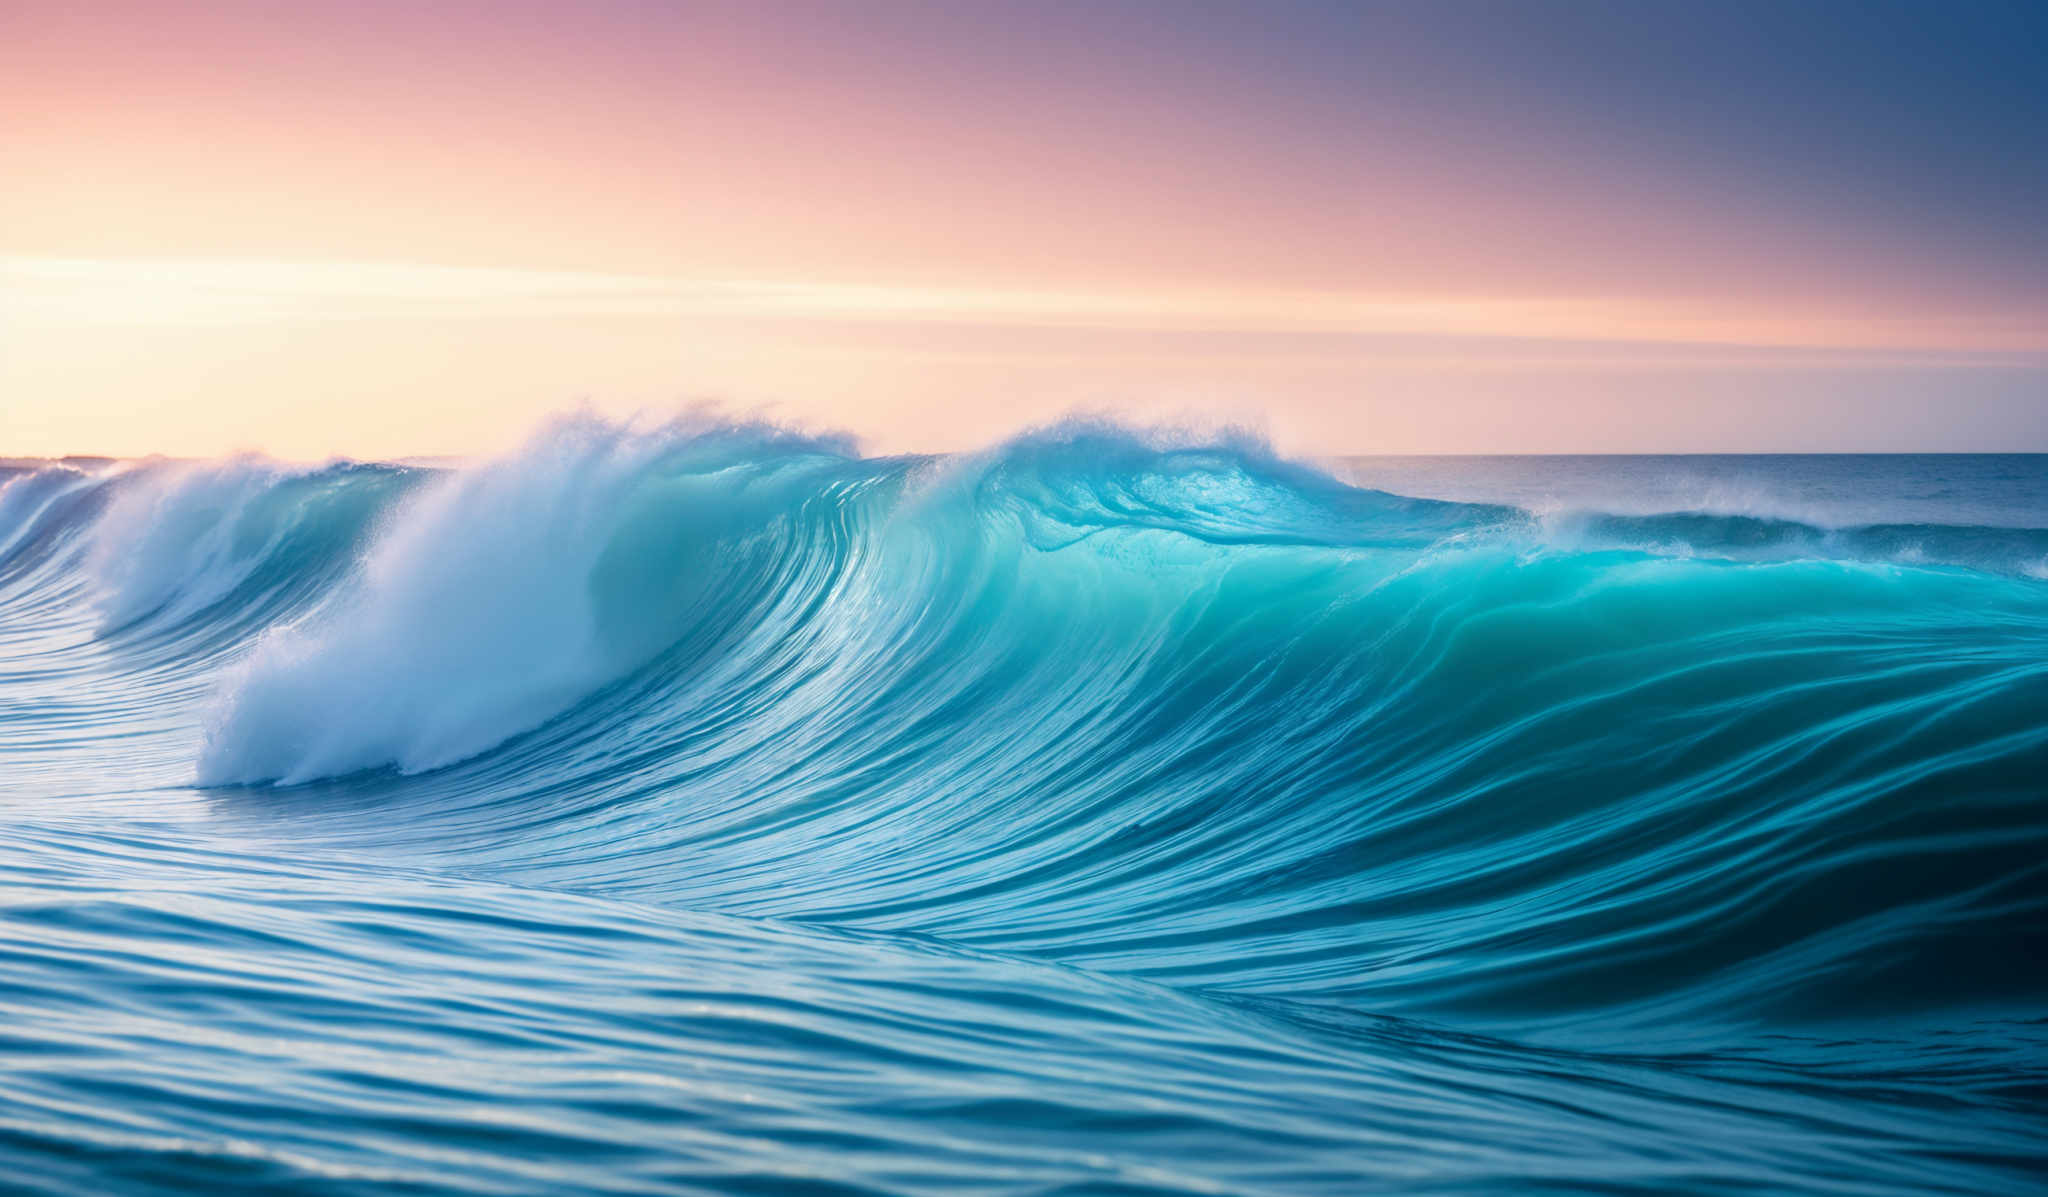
[{"x": 710, "y": 808}]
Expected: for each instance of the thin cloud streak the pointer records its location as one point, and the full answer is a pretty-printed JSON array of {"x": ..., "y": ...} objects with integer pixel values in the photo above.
[{"x": 198, "y": 292}]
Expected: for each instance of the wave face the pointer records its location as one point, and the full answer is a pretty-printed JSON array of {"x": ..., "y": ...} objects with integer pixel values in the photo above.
[{"x": 707, "y": 807}]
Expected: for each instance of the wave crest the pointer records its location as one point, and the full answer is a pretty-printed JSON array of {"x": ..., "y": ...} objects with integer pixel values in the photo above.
[
  {"x": 482, "y": 610},
  {"x": 1185, "y": 710}
]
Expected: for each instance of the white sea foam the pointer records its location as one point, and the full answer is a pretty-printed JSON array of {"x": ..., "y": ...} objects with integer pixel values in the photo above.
[
  {"x": 471, "y": 619},
  {"x": 497, "y": 596}
]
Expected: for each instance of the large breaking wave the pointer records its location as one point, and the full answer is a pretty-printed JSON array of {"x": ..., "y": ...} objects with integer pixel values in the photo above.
[{"x": 1173, "y": 711}]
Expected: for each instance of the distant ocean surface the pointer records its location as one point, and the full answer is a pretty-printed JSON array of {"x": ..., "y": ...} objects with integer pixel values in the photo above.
[{"x": 712, "y": 809}]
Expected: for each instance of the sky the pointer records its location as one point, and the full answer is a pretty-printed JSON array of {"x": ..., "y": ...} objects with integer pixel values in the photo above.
[{"x": 382, "y": 229}]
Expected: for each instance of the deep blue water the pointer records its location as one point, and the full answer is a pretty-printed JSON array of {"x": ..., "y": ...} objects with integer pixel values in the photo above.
[{"x": 714, "y": 809}]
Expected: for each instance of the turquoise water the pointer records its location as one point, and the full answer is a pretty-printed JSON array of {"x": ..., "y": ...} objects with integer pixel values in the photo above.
[{"x": 714, "y": 809}]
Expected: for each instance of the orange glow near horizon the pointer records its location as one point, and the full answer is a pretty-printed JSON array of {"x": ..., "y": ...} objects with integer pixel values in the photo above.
[
  {"x": 376, "y": 230},
  {"x": 310, "y": 359}
]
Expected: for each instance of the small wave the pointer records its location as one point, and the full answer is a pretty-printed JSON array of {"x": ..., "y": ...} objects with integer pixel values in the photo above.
[
  {"x": 1757, "y": 538},
  {"x": 28, "y": 498},
  {"x": 177, "y": 537}
]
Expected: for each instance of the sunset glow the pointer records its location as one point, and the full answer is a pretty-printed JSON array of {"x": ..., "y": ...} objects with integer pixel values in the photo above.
[
  {"x": 395, "y": 228},
  {"x": 1023, "y": 597}
]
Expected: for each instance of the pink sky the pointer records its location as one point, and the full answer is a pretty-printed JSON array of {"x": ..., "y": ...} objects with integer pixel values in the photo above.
[{"x": 379, "y": 229}]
